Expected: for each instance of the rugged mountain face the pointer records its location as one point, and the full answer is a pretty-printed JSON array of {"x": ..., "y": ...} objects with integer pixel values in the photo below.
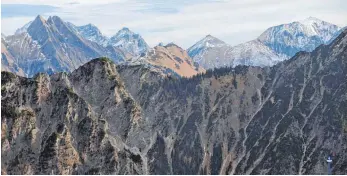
[
  {"x": 52, "y": 46},
  {"x": 24, "y": 28},
  {"x": 57, "y": 127},
  {"x": 211, "y": 52},
  {"x": 26, "y": 53},
  {"x": 276, "y": 44},
  {"x": 8, "y": 62},
  {"x": 305, "y": 35},
  {"x": 129, "y": 41},
  {"x": 337, "y": 34},
  {"x": 107, "y": 119},
  {"x": 126, "y": 40},
  {"x": 253, "y": 53},
  {"x": 90, "y": 32},
  {"x": 198, "y": 49},
  {"x": 174, "y": 58}
]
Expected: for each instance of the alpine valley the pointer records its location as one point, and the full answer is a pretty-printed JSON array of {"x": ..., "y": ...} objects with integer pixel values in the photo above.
[{"x": 74, "y": 101}]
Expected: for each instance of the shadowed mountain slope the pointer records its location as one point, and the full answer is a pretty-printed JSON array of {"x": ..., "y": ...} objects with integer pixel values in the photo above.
[{"x": 127, "y": 119}]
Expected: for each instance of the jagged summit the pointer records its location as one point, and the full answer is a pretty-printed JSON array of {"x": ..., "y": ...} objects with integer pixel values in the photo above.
[
  {"x": 54, "y": 18},
  {"x": 129, "y": 41},
  {"x": 160, "y": 44},
  {"x": 90, "y": 25},
  {"x": 305, "y": 35},
  {"x": 39, "y": 20},
  {"x": 40, "y": 17},
  {"x": 173, "y": 57},
  {"x": 124, "y": 31},
  {"x": 92, "y": 33},
  {"x": 310, "y": 20},
  {"x": 209, "y": 39},
  {"x": 105, "y": 119},
  {"x": 206, "y": 43},
  {"x": 125, "y": 39},
  {"x": 172, "y": 44},
  {"x": 102, "y": 62},
  {"x": 24, "y": 28},
  {"x": 53, "y": 45},
  {"x": 276, "y": 44}
]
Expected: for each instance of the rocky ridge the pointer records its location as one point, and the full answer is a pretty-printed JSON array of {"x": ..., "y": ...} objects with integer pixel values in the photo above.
[
  {"x": 108, "y": 119},
  {"x": 276, "y": 44}
]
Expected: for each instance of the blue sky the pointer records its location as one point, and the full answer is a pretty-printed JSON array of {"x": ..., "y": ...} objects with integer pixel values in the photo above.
[{"x": 178, "y": 21}]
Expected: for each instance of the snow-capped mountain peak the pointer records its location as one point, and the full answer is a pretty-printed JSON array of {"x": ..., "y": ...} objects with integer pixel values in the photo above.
[
  {"x": 208, "y": 41},
  {"x": 205, "y": 44},
  {"x": 129, "y": 41},
  {"x": 92, "y": 33},
  {"x": 53, "y": 45},
  {"x": 253, "y": 53},
  {"x": 90, "y": 28},
  {"x": 311, "y": 20},
  {"x": 315, "y": 26},
  {"x": 304, "y": 35},
  {"x": 124, "y": 39},
  {"x": 23, "y": 29},
  {"x": 124, "y": 31},
  {"x": 276, "y": 44}
]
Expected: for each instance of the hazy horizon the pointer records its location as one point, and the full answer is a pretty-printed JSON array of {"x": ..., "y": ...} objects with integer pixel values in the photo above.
[{"x": 181, "y": 22}]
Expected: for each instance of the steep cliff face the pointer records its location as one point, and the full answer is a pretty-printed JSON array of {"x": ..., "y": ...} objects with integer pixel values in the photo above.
[
  {"x": 304, "y": 35},
  {"x": 174, "y": 58},
  {"x": 106, "y": 119},
  {"x": 210, "y": 52},
  {"x": 8, "y": 62},
  {"x": 54, "y": 125},
  {"x": 276, "y": 44},
  {"x": 53, "y": 46}
]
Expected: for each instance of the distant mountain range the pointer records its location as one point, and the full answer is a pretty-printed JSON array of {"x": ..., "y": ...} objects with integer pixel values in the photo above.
[
  {"x": 125, "y": 39},
  {"x": 276, "y": 44},
  {"x": 56, "y": 46},
  {"x": 53, "y": 45}
]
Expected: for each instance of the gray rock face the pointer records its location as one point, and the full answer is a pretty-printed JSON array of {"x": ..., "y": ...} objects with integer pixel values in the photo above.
[
  {"x": 274, "y": 45},
  {"x": 305, "y": 35},
  {"x": 52, "y": 46},
  {"x": 107, "y": 119},
  {"x": 125, "y": 39},
  {"x": 129, "y": 41},
  {"x": 90, "y": 32},
  {"x": 211, "y": 53},
  {"x": 57, "y": 127},
  {"x": 8, "y": 62}
]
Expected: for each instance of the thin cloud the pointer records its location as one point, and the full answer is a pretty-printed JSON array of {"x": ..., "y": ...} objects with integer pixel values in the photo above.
[{"x": 185, "y": 22}]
